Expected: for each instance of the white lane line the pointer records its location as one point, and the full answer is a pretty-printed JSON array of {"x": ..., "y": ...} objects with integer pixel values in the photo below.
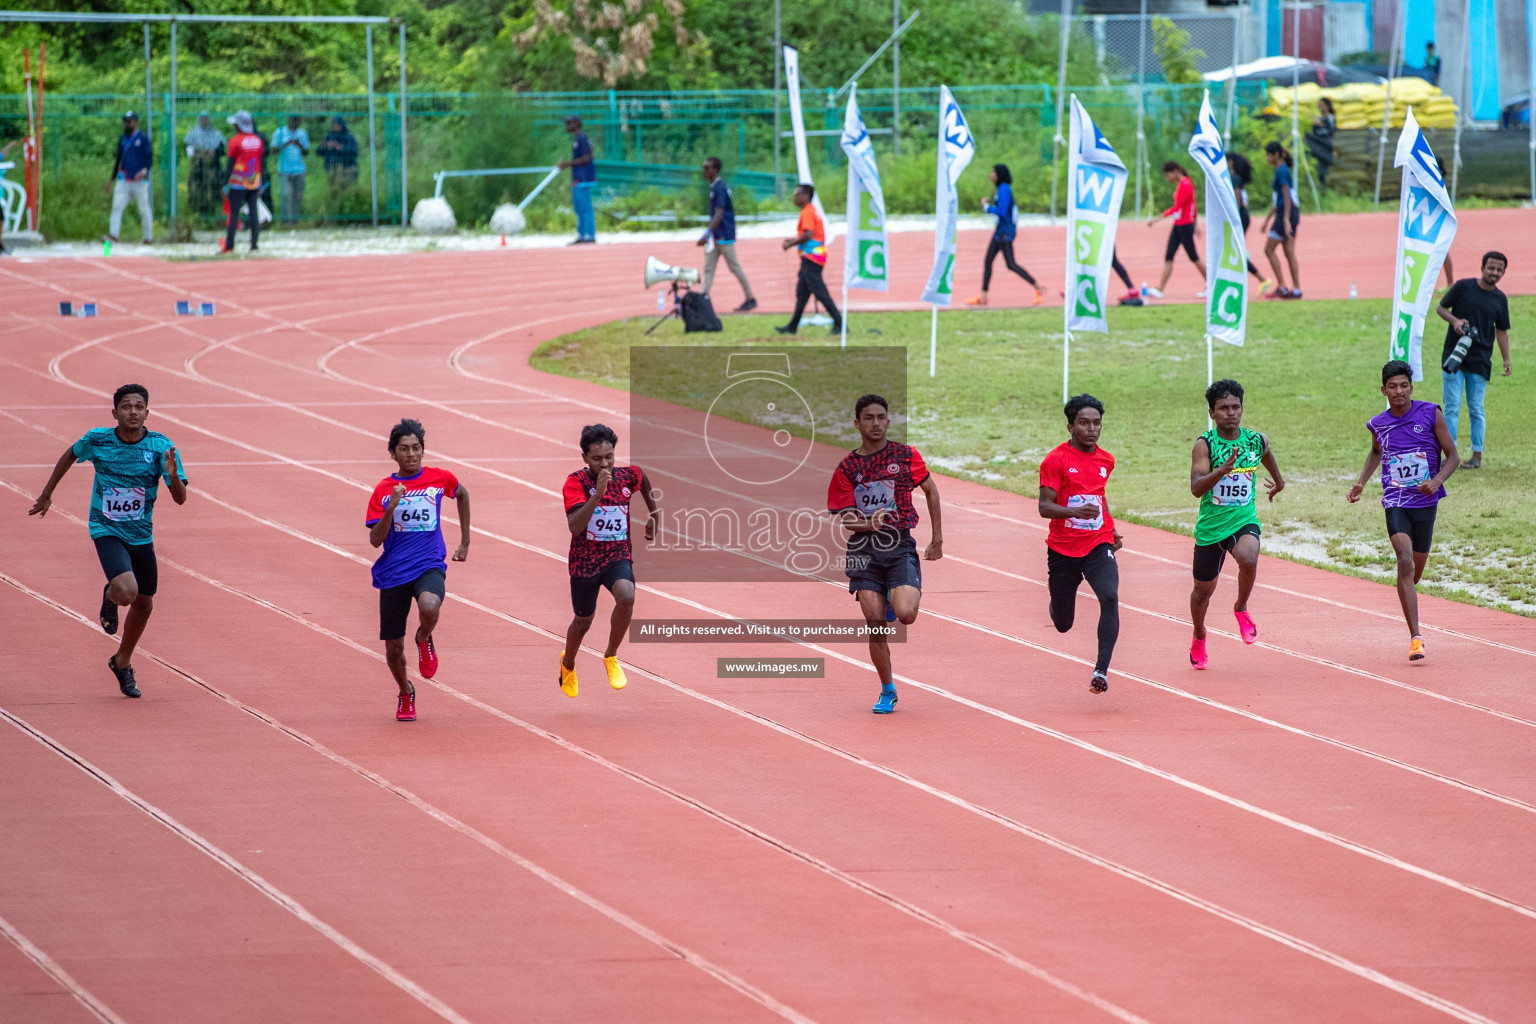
[
  {"x": 1234, "y": 917},
  {"x": 680, "y": 951},
  {"x": 261, "y": 885},
  {"x": 98, "y": 1009}
]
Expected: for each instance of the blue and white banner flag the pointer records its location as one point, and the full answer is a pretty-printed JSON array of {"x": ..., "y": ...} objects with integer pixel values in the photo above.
[
  {"x": 1095, "y": 189},
  {"x": 1426, "y": 224},
  {"x": 956, "y": 149},
  {"x": 1226, "y": 251},
  {"x": 797, "y": 122},
  {"x": 866, "y": 246}
]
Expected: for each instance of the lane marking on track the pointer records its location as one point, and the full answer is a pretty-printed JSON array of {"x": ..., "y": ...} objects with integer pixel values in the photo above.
[
  {"x": 543, "y": 874},
  {"x": 98, "y": 1009},
  {"x": 1132, "y": 874},
  {"x": 235, "y": 867}
]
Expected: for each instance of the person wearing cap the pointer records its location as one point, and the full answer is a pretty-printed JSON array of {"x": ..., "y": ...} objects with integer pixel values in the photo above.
[
  {"x": 583, "y": 177},
  {"x": 130, "y": 179},
  {"x": 292, "y": 145},
  {"x": 205, "y": 147},
  {"x": 243, "y": 178}
]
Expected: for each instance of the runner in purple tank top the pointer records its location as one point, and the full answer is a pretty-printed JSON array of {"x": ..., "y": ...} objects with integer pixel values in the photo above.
[{"x": 1411, "y": 444}]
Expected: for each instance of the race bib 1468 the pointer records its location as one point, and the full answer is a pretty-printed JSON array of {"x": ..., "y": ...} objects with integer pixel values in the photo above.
[{"x": 121, "y": 504}]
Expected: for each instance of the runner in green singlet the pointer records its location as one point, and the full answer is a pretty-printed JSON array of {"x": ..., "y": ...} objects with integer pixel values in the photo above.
[{"x": 1223, "y": 470}]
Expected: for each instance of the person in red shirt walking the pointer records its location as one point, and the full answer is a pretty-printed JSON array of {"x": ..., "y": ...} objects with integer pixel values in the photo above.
[
  {"x": 243, "y": 178},
  {"x": 597, "y": 512},
  {"x": 811, "y": 239},
  {"x": 1082, "y": 540},
  {"x": 1183, "y": 232}
]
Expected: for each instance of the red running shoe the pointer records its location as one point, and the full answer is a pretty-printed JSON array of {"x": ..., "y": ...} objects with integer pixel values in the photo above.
[
  {"x": 426, "y": 658},
  {"x": 1197, "y": 656},
  {"x": 405, "y": 707}
]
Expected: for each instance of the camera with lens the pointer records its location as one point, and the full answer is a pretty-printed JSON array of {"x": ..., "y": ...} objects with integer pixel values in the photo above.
[{"x": 1452, "y": 362}]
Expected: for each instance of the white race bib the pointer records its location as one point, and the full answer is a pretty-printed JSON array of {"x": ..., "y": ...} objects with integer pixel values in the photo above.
[
  {"x": 608, "y": 522},
  {"x": 121, "y": 504},
  {"x": 416, "y": 513},
  {"x": 1408, "y": 469},
  {"x": 1233, "y": 489},
  {"x": 1079, "y": 500},
  {"x": 875, "y": 496}
]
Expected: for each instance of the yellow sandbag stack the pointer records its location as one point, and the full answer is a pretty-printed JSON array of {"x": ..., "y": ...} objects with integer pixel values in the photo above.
[{"x": 1362, "y": 104}]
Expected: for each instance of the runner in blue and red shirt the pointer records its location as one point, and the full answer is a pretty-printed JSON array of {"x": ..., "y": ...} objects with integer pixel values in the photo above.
[
  {"x": 405, "y": 518},
  {"x": 1417, "y": 455},
  {"x": 871, "y": 495},
  {"x": 597, "y": 501}
]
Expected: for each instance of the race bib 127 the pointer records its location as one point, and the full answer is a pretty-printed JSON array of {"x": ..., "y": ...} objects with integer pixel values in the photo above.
[{"x": 1408, "y": 469}]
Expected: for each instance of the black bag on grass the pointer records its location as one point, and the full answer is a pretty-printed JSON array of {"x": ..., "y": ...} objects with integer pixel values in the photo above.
[{"x": 699, "y": 313}]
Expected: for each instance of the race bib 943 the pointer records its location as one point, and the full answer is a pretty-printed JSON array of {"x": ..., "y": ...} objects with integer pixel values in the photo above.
[{"x": 608, "y": 522}]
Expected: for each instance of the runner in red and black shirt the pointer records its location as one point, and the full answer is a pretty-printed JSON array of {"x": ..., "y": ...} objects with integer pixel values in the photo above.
[
  {"x": 871, "y": 494},
  {"x": 1082, "y": 540},
  {"x": 597, "y": 511},
  {"x": 405, "y": 519}
]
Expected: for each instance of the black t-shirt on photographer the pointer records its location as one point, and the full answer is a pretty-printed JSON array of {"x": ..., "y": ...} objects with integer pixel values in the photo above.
[{"x": 1487, "y": 311}]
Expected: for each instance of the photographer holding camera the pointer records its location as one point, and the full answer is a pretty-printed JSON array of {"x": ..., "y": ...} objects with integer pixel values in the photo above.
[{"x": 1478, "y": 313}]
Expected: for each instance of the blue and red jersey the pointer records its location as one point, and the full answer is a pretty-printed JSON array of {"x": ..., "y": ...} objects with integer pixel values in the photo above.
[{"x": 414, "y": 544}]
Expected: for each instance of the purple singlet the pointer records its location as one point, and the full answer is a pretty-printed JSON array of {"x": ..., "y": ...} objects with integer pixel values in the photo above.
[{"x": 1409, "y": 455}]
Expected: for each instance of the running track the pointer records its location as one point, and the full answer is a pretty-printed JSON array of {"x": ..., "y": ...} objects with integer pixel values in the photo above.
[{"x": 1312, "y": 830}]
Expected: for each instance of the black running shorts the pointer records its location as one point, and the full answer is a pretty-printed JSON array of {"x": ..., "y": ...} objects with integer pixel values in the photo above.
[
  {"x": 1417, "y": 523},
  {"x": 395, "y": 602},
  {"x": 1209, "y": 557},
  {"x": 584, "y": 589},
  {"x": 118, "y": 556},
  {"x": 882, "y": 561}
]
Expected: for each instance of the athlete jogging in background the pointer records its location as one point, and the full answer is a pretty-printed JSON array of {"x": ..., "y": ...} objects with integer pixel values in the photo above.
[
  {"x": 405, "y": 517},
  {"x": 130, "y": 462},
  {"x": 1222, "y": 473},
  {"x": 597, "y": 512},
  {"x": 1082, "y": 539},
  {"x": 1411, "y": 444},
  {"x": 1182, "y": 234},
  {"x": 871, "y": 496}
]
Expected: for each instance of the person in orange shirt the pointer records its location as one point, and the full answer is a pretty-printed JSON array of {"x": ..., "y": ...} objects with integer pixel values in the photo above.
[{"x": 811, "y": 240}]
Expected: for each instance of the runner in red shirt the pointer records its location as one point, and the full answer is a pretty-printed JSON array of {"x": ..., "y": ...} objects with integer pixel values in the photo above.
[
  {"x": 871, "y": 494},
  {"x": 404, "y": 518},
  {"x": 597, "y": 511},
  {"x": 1082, "y": 540}
]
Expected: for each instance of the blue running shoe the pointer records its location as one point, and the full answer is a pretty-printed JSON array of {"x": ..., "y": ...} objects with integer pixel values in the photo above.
[{"x": 887, "y": 702}]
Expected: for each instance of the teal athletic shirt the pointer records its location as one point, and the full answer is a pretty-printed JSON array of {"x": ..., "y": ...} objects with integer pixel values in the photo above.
[{"x": 127, "y": 482}]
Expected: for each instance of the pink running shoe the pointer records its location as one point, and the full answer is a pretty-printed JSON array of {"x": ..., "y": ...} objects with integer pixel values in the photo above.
[
  {"x": 1197, "y": 656},
  {"x": 1246, "y": 627}
]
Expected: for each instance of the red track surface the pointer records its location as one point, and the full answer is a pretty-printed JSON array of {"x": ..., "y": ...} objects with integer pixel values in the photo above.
[{"x": 1312, "y": 830}]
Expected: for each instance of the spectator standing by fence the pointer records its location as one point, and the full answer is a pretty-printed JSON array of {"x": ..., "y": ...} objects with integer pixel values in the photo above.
[
  {"x": 243, "y": 178},
  {"x": 339, "y": 151},
  {"x": 1474, "y": 303},
  {"x": 583, "y": 177},
  {"x": 205, "y": 151},
  {"x": 1431, "y": 64},
  {"x": 292, "y": 145},
  {"x": 130, "y": 178},
  {"x": 722, "y": 232},
  {"x": 1320, "y": 139}
]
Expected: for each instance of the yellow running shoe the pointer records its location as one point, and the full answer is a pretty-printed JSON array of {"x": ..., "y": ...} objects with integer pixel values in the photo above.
[
  {"x": 616, "y": 677},
  {"x": 567, "y": 678},
  {"x": 1416, "y": 649}
]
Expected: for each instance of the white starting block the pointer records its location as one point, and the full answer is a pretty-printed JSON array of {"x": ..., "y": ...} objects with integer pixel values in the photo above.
[
  {"x": 70, "y": 309},
  {"x": 185, "y": 308}
]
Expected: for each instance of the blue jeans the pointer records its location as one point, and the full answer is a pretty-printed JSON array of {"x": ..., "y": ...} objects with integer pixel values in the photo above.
[
  {"x": 1476, "y": 386},
  {"x": 581, "y": 199}
]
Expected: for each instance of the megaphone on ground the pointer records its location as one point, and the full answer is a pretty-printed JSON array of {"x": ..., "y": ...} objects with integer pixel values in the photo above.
[{"x": 657, "y": 272}]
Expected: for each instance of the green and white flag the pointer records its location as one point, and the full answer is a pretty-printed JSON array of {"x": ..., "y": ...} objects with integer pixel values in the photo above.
[
  {"x": 1426, "y": 224},
  {"x": 956, "y": 148},
  {"x": 1095, "y": 189},
  {"x": 866, "y": 246},
  {"x": 1226, "y": 252}
]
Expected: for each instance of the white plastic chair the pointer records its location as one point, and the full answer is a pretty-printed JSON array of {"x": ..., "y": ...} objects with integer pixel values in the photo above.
[{"x": 13, "y": 204}]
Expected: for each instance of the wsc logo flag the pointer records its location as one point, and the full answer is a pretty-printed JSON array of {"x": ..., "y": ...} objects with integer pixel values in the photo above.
[
  {"x": 956, "y": 150},
  {"x": 1095, "y": 189},
  {"x": 866, "y": 245},
  {"x": 1226, "y": 251},
  {"x": 1426, "y": 227}
]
